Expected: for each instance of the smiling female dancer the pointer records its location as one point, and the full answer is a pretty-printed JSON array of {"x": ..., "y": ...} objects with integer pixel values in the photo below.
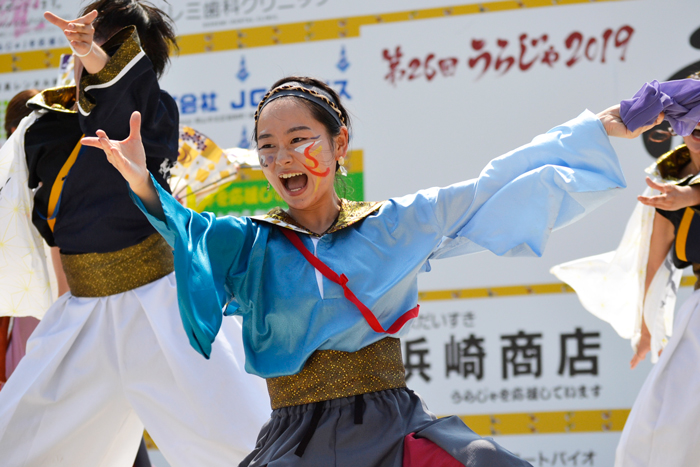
[
  {"x": 320, "y": 317},
  {"x": 111, "y": 356}
]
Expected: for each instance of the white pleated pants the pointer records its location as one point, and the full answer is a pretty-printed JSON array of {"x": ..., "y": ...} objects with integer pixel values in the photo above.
[
  {"x": 97, "y": 370},
  {"x": 663, "y": 428}
]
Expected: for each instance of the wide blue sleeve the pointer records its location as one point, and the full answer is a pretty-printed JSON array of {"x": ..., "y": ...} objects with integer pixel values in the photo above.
[
  {"x": 521, "y": 197},
  {"x": 207, "y": 251}
]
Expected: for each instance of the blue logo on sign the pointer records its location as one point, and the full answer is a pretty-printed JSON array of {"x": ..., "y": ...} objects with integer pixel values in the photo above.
[
  {"x": 343, "y": 63},
  {"x": 245, "y": 141},
  {"x": 242, "y": 74},
  {"x": 254, "y": 98}
]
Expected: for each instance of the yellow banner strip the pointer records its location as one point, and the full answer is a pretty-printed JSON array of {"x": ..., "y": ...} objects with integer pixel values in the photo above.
[
  {"x": 290, "y": 33},
  {"x": 32, "y": 60},
  {"x": 579, "y": 421},
  {"x": 341, "y": 28},
  {"x": 511, "y": 291}
]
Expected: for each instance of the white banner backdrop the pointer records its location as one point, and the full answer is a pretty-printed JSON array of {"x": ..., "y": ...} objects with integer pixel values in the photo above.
[{"x": 433, "y": 101}]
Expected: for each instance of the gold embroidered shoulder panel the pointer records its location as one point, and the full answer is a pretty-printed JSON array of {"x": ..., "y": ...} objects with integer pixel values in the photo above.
[
  {"x": 350, "y": 213},
  {"x": 669, "y": 166},
  {"x": 129, "y": 47},
  {"x": 61, "y": 99}
]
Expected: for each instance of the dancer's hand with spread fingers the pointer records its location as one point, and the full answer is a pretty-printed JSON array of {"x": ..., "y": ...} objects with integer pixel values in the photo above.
[
  {"x": 129, "y": 158},
  {"x": 672, "y": 196},
  {"x": 81, "y": 36},
  {"x": 612, "y": 122}
]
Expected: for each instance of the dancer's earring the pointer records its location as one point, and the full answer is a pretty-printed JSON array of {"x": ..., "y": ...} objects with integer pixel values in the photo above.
[
  {"x": 268, "y": 186},
  {"x": 343, "y": 171}
]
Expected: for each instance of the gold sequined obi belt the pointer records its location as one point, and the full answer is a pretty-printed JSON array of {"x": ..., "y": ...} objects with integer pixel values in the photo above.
[
  {"x": 331, "y": 374},
  {"x": 103, "y": 274}
]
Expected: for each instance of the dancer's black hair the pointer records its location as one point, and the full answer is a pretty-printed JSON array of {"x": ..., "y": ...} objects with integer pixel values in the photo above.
[{"x": 155, "y": 28}]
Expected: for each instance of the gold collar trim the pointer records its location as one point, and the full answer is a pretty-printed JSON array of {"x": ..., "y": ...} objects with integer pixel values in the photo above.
[
  {"x": 350, "y": 213},
  {"x": 61, "y": 99},
  {"x": 668, "y": 167},
  {"x": 129, "y": 47}
]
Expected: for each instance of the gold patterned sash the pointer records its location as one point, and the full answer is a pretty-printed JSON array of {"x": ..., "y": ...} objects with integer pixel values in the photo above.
[
  {"x": 331, "y": 374},
  {"x": 103, "y": 274}
]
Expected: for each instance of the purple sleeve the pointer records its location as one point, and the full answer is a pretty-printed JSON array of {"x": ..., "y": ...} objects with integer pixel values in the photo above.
[{"x": 679, "y": 100}]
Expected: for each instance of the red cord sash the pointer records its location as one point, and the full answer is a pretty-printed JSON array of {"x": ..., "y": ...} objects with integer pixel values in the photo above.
[{"x": 342, "y": 281}]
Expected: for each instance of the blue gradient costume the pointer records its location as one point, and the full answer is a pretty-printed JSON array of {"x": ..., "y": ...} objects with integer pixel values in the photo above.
[{"x": 510, "y": 209}]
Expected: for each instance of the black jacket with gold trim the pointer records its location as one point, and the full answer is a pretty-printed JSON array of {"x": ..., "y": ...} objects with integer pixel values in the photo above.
[
  {"x": 686, "y": 221},
  {"x": 81, "y": 203}
]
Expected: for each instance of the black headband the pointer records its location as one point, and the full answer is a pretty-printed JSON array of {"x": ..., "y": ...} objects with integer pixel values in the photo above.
[{"x": 304, "y": 91}]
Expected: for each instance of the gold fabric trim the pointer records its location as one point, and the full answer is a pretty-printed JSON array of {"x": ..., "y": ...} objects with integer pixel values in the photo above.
[
  {"x": 61, "y": 99},
  {"x": 353, "y": 211},
  {"x": 350, "y": 213},
  {"x": 129, "y": 48},
  {"x": 669, "y": 165},
  {"x": 331, "y": 374},
  {"x": 103, "y": 274}
]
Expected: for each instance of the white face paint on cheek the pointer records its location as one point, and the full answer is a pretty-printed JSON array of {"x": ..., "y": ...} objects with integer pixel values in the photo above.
[{"x": 303, "y": 147}]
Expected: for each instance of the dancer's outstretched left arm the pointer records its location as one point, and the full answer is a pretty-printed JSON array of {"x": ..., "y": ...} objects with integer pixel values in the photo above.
[{"x": 521, "y": 197}]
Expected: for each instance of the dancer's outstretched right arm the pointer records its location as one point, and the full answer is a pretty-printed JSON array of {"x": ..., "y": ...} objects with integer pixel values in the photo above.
[{"x": 211, "y": 255}]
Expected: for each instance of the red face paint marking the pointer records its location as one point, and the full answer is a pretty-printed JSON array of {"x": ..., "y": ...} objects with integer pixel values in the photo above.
[{"x": 312, "y": 169}]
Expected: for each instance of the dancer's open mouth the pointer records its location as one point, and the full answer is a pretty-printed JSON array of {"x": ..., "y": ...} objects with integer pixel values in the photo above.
[{"x": 294, "y": 182}]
